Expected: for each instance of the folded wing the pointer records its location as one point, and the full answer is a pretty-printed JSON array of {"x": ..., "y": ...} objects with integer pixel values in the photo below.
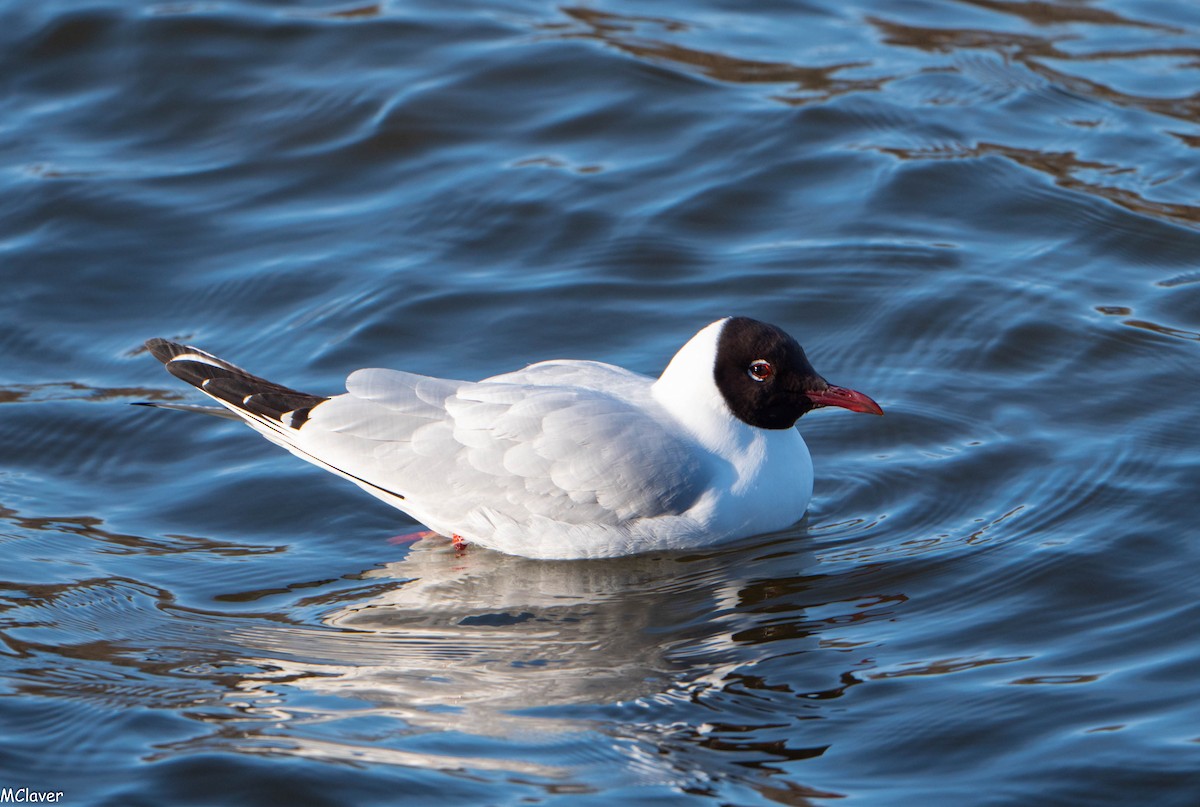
[{"x": 471, "y": 453}]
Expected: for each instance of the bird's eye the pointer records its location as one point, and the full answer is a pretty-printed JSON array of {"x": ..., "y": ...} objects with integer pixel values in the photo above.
[{"x": 761, "y": 370}]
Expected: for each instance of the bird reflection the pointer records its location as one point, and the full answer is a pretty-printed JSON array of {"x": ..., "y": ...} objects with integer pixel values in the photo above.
[{"x": 474, "y": 638}]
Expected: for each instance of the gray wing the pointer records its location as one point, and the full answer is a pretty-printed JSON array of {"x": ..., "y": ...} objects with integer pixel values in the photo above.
[{"x": 534, "y": 442}]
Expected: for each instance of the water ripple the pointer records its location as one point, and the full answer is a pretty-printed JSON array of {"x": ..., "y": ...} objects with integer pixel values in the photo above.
[{"x": 982, "y": 213}]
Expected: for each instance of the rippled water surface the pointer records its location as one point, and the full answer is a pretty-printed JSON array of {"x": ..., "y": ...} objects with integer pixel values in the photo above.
[{"x": 983, "y": 213}]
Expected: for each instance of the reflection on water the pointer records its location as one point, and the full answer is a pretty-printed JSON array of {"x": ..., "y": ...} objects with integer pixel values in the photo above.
[
  {"x": 516, "y": 650},
  {"x": 983, "y": 210},
  {"x": 487, "y": 633},
  {"x": 1068, "y": 172},
  {"x": 74, "y": 391},
  {"x": 110, "y": 542},
  {"x": 626, "y": 33}
]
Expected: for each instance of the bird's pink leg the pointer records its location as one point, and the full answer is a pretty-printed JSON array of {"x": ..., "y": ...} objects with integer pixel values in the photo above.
[
  {"x": 411, "y": 537},
  {"x": 459, "y": 542}
]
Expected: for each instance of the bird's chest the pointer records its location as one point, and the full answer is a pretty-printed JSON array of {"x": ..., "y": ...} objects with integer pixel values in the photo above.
[{"x": 770, "y": 484}]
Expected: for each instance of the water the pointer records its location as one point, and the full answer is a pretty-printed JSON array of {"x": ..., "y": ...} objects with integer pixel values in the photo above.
[{"x": 983, "y": 214}]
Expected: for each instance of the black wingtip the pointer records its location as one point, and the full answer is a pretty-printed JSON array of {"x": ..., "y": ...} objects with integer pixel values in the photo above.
[
  {"x": 231, "y": 384},
  {"x": 164, "y": 350},
  {"x": 215, "y": 411}
]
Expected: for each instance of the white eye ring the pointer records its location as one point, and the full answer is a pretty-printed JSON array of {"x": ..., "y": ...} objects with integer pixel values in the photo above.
[{"x": 760, "y": 370}]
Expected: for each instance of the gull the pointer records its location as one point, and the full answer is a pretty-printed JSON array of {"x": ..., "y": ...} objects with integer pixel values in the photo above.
[{"x": 565, "y": 458}]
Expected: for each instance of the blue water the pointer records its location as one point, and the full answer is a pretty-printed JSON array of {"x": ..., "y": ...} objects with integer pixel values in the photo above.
[{"x": 982, "y": 213}]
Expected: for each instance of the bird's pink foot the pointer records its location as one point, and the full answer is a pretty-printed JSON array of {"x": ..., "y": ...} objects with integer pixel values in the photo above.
[
  {"x": 460, "y": 543},
  {"x": 411, "y": 537}
]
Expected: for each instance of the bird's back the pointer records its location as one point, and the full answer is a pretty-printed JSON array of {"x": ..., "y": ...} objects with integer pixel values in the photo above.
[{"x": 558, "y": 451}]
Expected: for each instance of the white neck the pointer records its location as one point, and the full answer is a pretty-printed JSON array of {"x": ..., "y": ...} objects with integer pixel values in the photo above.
[{"x": 688, "y": 391}]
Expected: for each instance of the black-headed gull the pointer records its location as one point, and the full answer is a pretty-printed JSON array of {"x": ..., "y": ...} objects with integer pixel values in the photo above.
[{"x": 565, "y": 458}]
